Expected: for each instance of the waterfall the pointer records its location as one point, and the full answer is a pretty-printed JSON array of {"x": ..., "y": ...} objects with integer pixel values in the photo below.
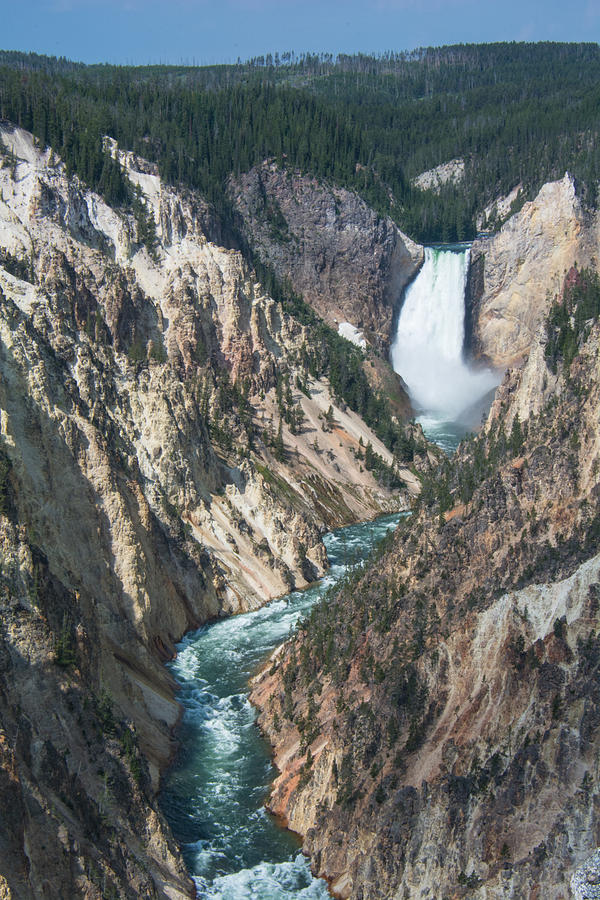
[{"x": 427, "y": 351}]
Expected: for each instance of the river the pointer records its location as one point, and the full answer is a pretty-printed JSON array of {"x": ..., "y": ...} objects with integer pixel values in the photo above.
[{"x": 213, "y": 795}]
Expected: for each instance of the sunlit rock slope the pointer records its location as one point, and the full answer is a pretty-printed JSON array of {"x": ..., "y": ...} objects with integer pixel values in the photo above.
[
  {"x": 516, "y": 272},
  {"x": 170, "y": 451}
]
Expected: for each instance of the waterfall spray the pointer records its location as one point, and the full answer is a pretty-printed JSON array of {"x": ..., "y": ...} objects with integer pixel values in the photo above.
[{"x": 428, "y": 347}]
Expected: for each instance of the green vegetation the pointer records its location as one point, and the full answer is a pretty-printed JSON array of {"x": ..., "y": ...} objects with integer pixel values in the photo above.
[
  {"x": 105, "y": 713},
  {"x": 5, "y": 469},
  {"x": 329, "y": 643},
  {"x": 20, "y": 268},
  {"x": 385, "y": 474},
  {"x": 128, "y": 742},
  {"x": 146, "y": 225},
  {"x": 227, "y": 407},
  {"x": 567, "y": 327},
  {"x": 336, "y": 359},
  {"x": 65, "y": 654},
  {"x": 289, "y": 411},
  {"x": 383, "y": 633},
  {"x": 109, "y": 726},
  {"x": 516, "y": 113},
  {"x": 570, "y": 317}
]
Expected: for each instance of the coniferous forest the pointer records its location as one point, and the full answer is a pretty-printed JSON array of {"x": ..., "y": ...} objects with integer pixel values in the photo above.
[{"x": 516, "y": 113}]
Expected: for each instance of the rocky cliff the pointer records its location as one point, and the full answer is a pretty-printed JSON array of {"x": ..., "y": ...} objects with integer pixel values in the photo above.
[
  {"x": 169, "y": 452},
  {"x": 516, "y": 272},
  {"x": 451, "y": 172},
  {"x": 436, "y": 723},
  {"x": 346, "y": 261}
]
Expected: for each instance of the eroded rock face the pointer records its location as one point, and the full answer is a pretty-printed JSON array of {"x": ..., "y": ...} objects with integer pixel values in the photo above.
[
  {"x": 437, "y": 726},
  {"x": 79, "y": 816},
  {"x": 516, "y": 273},
  {"x": 347, "y": 262},
  {"x": 451, "y": 172},
  {"x": 585, "y": 883},
  {"x": 133, "y": 506}
]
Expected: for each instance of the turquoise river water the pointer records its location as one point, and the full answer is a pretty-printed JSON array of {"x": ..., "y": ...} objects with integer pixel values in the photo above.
[{"x": 213, "y": 795}]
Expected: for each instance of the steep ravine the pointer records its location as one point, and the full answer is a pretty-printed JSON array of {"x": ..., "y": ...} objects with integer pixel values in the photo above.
[
  {"x": 166, "y": 457},
  {"x": 213, "y": 794},
  {"x": 436, "y": 724}
]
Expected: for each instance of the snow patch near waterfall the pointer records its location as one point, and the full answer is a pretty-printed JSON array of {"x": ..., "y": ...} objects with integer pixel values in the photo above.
[{"x": 348, "y": 331}]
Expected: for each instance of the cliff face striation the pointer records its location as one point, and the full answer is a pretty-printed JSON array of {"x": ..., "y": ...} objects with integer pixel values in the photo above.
[
  {"x": 169, "y": 452},
  {"x": 346, "y": 261},
  {"x": 516, "y": 272},
  {"x": 436, "y": 722}
]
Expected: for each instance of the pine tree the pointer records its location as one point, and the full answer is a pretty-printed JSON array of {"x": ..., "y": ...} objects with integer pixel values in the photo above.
[{"x": 279, "y": 446}]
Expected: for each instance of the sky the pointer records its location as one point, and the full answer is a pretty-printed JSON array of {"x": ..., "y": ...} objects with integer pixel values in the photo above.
[{"x": 212, "y": 31}]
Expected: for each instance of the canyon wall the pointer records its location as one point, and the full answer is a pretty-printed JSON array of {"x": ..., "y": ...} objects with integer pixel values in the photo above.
[
  {"x": 516, "y": 273},
  {"x": 350, "y": 264},
  {"x": 165, "y": 457},
  {"x": 437, "y": 724}
]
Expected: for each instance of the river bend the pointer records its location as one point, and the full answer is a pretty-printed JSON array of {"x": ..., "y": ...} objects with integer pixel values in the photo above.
[{"x": 213, "y": 796}]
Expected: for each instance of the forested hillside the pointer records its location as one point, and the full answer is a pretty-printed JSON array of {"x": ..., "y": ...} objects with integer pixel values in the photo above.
[{"x": 516, "y": 114}]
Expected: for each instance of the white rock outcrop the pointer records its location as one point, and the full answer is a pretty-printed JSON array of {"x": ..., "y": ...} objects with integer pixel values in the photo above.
[
  {"x": 451, "y": 172},
  {"x": 516, "y": 273}
]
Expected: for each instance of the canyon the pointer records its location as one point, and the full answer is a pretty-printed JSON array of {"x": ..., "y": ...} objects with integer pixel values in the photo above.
[
  {"x": 516, "y": 272},
  {"x": 350, "y": 264},
  {"x": 171, "y": 453},
  {"x": 167, "y": 457},
  {"x": 449, "y": 745}
]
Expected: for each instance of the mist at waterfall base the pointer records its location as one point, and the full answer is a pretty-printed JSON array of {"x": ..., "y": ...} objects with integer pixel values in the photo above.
[
  {"x": 449, "y": 395},
  {"x": 213, "y": 795}
]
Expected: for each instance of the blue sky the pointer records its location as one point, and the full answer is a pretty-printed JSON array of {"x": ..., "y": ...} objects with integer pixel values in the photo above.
[{"x": 208, "y": 31}]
